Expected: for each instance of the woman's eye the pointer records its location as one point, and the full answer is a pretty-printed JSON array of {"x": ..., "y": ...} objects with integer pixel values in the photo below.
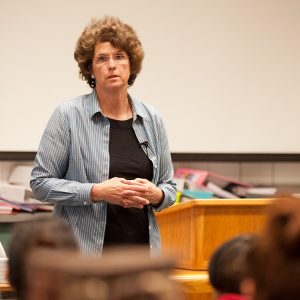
[
  {"x": 102, "y": 59},
  {"x": 119, "y": 57}
]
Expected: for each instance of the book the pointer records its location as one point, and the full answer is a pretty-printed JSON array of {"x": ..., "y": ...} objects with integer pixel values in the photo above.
[
  {"x": 15, "y": 192},
  {"x": 27, "y": 207},
  {"x": 219, "y": 192},
  {"x": 255, "y": 192},
  {"x": 2, "y": 252},
  {"x": 179, "y": 183},
  {"x": 197, "y": 194},
  {"x": 3, "y": 265},
  {"x": 221, "y": 186},
  {"x": 200, "y": 177},
  {"x": 5, "y": 208}
]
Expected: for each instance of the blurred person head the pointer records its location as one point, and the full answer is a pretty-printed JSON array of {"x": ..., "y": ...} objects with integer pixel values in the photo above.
[
  {"x": 87, "y": 277},
  {"x": 227, "y": 267},
  {"x": 274, "y": 261},
  {"x": 120, "y": 36},
  {"x": 27, "y": 236}
]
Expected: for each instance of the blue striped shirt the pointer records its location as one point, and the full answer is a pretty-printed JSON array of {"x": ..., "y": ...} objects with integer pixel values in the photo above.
[{"x": 73, "y": 155}]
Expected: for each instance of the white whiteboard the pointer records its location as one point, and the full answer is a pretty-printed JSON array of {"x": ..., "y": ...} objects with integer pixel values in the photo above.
[{"x": 223, "y": 74}]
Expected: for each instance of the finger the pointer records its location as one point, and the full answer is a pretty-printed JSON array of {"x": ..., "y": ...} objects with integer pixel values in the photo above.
[
  {"x": 131, "y": 193},
  {"x": 133, "y": 205},
  {"x": 127, "y": 203},
  {"x": 141, "y": 180},
  {"x": 117, "y": 179},
  {"x": 123, "y": 180},
  {"x": 136, "y": 188},
  {"x": 133, "y": 182},
  {"x": 138, "y": 181},
  {"x": 140, "y": 200}
]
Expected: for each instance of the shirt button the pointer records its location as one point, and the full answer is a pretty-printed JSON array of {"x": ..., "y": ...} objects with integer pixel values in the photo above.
[{"x": 84, "y": 203}]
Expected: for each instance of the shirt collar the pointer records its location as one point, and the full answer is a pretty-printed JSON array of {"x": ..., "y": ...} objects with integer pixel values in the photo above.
[
  {"x": 93, "y": 105},
  {"x": 94, "y": 108},
  {"x": 137, "y": 109}
]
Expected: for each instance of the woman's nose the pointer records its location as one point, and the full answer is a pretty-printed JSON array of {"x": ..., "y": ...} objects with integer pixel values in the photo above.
[{"x": 111, "y": 64}]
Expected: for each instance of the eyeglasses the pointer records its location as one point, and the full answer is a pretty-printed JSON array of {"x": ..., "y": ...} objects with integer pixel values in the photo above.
[{"x": 118, "y": 58}]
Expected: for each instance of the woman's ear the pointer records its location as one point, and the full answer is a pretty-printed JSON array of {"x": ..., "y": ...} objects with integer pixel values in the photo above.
[{"x": 247, "y": 288}]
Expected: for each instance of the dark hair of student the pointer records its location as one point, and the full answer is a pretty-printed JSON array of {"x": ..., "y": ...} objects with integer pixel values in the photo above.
[{"x": 227, "y": 267}]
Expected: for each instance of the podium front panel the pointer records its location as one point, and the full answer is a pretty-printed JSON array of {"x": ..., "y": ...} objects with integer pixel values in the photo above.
[{"x": 192, "y": 230}]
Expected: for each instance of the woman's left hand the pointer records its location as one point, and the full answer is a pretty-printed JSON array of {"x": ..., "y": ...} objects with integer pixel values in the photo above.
[{"x": 153, "y": 194}]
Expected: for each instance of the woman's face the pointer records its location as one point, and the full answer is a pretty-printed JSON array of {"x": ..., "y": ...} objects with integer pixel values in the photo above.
[{"x": 110, "y": 67}]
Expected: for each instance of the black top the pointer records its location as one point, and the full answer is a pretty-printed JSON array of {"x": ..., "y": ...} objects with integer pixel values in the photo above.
[{"x": 127, "y": 160}]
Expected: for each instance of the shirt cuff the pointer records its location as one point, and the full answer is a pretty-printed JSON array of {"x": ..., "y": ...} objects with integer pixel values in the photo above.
[{"x": 85, "y": 193}]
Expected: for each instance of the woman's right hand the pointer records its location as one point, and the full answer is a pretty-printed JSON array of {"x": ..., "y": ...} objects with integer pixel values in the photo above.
[{"x": 117, "y": 191}]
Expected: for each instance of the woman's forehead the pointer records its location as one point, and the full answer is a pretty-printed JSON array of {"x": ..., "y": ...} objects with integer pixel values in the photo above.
[{"x": 106, "y": 47}]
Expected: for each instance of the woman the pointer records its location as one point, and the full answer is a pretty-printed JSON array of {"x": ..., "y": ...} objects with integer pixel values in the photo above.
[{"x": 104, "y": 159}]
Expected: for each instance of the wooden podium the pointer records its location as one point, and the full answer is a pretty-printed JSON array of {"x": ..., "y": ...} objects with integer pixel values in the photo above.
[{"x": 192, "y": 230}]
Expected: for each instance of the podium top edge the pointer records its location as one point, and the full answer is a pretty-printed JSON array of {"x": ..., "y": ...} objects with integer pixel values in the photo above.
[{"x": 218, "y": 202}]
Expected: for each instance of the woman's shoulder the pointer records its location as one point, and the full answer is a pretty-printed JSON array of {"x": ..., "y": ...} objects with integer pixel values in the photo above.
[
  {"x": 145, "y": 109},
  {"x": 74, "y": 103}
]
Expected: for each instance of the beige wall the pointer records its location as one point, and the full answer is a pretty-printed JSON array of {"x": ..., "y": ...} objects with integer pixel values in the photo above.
[
  {"x": 267, "y": 174},
  {"x": 224, "y": 74}
]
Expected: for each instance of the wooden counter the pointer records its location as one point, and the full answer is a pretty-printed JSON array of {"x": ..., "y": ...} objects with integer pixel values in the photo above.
[
  {"x": 195, "y": 284},
  {"x": 5, "y": 287}
]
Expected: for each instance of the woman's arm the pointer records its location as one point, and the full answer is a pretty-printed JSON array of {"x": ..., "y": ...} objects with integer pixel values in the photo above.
[{"x": 51, "y": 164}]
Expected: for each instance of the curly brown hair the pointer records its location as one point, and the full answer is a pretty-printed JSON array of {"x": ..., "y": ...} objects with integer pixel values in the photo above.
[{"x": 119, "y": 34}]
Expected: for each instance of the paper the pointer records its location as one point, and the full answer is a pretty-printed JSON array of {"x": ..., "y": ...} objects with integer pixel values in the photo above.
[
  {"x": 220, "y": 192},
  {"x": 3, "y": 265},
  {"x": 15, "y": 192}
]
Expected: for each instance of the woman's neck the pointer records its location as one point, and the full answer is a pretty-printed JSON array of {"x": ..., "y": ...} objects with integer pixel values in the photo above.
[{"x": 115, "y": 105}]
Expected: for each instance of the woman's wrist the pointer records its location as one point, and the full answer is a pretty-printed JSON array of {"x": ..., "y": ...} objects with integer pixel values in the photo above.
[
  {"x": 158, "y": 197},
  {"x": 96, "y": 192}
]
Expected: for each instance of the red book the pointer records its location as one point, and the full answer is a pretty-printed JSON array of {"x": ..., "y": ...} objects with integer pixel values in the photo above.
[{"x": 5, "y": 208}]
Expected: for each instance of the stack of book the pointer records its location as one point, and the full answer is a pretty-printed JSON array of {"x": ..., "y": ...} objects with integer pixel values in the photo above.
[
  {"x": 218, "y": 186},
  {"x": 12, "y": 207},
  {"x": 16, "y": 195}
]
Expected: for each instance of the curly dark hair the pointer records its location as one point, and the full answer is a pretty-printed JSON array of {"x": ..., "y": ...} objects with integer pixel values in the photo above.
[{"x": 119, "y": 34}]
